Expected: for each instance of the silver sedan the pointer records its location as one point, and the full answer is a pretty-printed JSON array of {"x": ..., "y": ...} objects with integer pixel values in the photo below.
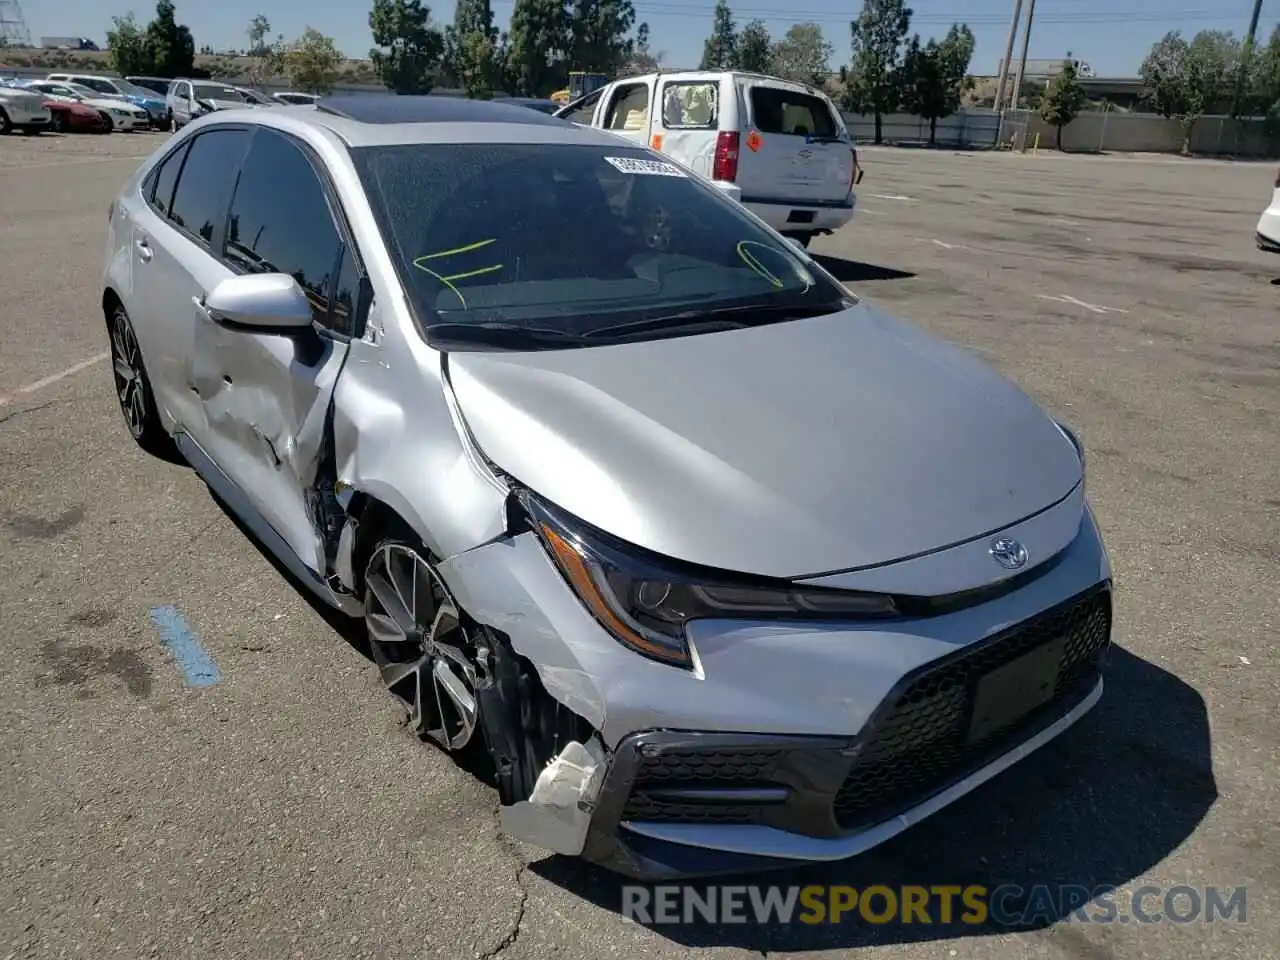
[{"x": 719, "y": 566}]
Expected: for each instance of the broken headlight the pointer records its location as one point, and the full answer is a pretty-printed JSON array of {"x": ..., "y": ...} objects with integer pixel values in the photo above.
[{"x": 645, "y": 601}]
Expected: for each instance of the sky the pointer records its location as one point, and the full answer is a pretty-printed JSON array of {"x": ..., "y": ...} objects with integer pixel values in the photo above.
[{"x": 1111, "y": 35}]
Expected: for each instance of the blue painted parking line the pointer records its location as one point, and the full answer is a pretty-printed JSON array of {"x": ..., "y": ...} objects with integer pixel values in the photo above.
[{"x": 197, "y": 666}]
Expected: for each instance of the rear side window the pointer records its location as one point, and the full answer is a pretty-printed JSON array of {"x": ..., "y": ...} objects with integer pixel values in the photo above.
[
  {"x": 787, "y": 112},
  {"x": 93, "y": 83},
  {"x": 200, "y": 200},
  {"x": 280, "y": 221},
  {"x": 690, "y": 106},
  {"x": 165, "y": 179}
]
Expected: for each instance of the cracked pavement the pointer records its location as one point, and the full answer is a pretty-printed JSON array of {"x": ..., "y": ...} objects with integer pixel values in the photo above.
[{"x": 286, "y": 812}]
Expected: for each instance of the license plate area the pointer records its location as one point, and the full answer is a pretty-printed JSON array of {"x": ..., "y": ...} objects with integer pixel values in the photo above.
[
  {"x": 800, "y": 216},
  {"x": 1009, "y": 693}
]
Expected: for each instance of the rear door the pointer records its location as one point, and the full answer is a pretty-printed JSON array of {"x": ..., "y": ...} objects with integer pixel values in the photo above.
[
  {"x": 174, "y": 238},
  {"x": 627, "y": 110},
  {"x": 795, "y": 148},
  {"x": 687, "y": 123},
  {"x": 266, "y": 395}
]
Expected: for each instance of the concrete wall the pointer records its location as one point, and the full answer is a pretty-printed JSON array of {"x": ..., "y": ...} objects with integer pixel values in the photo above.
[{"x": 1090, "y": 132}]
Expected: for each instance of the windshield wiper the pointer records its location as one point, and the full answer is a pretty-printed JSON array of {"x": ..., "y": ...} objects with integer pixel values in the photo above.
[
  {"x": 722, "y": 318},
  {"x": 502, "y": 334}
]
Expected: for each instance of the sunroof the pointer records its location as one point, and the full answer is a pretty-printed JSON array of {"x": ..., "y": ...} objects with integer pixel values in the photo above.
[{"x": 394, "y": 108}]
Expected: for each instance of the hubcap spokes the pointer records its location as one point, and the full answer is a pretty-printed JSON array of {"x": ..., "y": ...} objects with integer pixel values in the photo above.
[
  {"x": 127, "y": 369},
  {"x": 420, "y": 646}
]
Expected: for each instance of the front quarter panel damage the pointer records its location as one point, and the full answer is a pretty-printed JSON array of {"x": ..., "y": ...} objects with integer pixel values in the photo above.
[{"x": 397, "y": 441}]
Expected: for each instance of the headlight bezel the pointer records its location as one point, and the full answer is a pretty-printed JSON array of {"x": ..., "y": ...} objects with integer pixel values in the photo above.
[{"x": 612, "y": 578}]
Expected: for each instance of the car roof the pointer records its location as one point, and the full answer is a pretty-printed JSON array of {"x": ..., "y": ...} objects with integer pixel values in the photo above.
[{"x": 375, "y": 119}]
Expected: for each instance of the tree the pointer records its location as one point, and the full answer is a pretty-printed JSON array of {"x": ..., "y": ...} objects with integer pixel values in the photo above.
[
  {"x": 803, "y": 55},
  {"x": 754, "y": 51},
  {"x": 600, "y": 35},
  {"x": 170, "y": 47},
  {"x": 720, "y": 51},
  {"x": 409, "y": 46},
  {"x": 1184, "y": 80},
  {"x": 874, "y": 83},
  {"x": 471, "y": 51},
  {"x": 1064, "y": 98},
  {"x": 1265, "y": 76},
  {"x": 537, "y": 48},
  {"x": 642, "y": 60},
  {"x": 266, "y": 57},
  {"x": 127, "y": 47},
  {"x": 935, "y": 76},
  {"x": 313, "y": 62}
]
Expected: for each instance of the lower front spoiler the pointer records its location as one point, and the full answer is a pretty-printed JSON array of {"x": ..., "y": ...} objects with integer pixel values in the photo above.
[
  {"x": 1267, "y": 244},
  {"x": 653, "y": 852}
]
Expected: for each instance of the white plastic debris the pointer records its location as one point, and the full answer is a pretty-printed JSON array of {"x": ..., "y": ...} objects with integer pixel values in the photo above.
[{"x": 558, "y": 811}]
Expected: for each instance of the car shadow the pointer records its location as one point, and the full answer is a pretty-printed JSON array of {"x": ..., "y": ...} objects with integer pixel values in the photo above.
[
  {"x": 1096, "y": 808},
  {"x": 852, "y": 271},
  {"x": 473, "y": 760}
]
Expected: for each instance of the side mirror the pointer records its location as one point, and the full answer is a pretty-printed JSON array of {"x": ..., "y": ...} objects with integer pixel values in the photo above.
[{"x": 266, "y": 302}]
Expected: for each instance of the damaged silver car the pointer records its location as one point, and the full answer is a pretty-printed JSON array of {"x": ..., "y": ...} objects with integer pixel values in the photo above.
[{"x": 721, "y": 566}]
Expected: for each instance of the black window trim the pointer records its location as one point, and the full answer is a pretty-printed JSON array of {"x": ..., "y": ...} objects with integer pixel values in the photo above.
[
  {"x": 671, "y": 85},
  {"x": 346, "y": 238}
]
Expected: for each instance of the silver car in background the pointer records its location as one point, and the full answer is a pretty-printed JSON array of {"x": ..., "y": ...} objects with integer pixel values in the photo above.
[{"x": 719, "y": 566}]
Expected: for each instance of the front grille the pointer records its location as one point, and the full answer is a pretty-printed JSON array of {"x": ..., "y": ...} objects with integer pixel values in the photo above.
[
  {"x": 726, "y": 768},
  {"x": 920, "y": 745}
]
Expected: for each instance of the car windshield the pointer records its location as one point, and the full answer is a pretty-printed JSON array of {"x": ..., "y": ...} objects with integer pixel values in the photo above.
[
  {"x": 82, "y": 91},
  {"x": 209, "y": 91},
  {"x": 573, "y": 242},
  {"x": 98, "y": 84},
  {"x": 133, "y": 90}
]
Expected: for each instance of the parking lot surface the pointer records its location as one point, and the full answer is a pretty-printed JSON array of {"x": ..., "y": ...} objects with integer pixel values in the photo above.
[{"x": 285, "y": 811}]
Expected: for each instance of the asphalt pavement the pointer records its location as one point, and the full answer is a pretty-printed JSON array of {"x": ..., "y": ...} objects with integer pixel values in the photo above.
[{"x": 285, "y": 811}]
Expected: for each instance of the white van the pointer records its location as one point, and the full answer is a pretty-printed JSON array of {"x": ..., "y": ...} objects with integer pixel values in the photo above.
[{"x": 781, "y": 148}]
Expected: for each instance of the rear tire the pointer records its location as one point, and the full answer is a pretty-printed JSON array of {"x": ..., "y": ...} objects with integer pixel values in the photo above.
[
  {"x": 6, "y": 125},
  {"x": 57, "y": 122},
  {"x": 133, "y": 387}
]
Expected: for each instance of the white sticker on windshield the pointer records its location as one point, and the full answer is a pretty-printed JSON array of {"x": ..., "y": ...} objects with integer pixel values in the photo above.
[{"x": 653, "y": 168}]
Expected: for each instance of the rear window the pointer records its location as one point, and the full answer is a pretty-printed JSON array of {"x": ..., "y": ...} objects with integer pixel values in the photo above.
[
  {"x": 576, "y": 238},
  {"x": 775, "y": 110}
]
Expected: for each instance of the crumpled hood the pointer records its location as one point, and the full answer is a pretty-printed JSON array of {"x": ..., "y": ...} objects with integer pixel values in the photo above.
[{"x": 786, "y": 450}]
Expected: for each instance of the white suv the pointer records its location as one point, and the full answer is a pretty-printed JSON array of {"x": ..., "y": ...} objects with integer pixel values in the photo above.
[
  {"x": 781, "y": 148},
  {"x": 1269, "y": 225}
]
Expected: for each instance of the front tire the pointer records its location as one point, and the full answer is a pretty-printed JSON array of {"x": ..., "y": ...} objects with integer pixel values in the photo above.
[
  {"x": 6, "y": 125},
  {"x": 425, "y": 652},
  {"x": 133, "y": 388},
  {"x": 107, "y": 123}
]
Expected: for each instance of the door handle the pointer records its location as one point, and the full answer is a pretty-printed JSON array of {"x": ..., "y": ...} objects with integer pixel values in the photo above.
[{"x": 144, "y": 250}]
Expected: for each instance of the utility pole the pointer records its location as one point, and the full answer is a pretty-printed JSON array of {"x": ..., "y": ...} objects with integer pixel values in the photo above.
[
  {"x": 1008, "y": 54},
  {"x": 1022, "y": 62},
  {"x": 1245, "y": 57}
]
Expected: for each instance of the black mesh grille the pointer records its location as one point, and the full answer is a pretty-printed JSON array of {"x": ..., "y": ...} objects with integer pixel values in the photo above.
[
  {"x": 698, "y": 768},
  {"x": 920, "y": 745}
]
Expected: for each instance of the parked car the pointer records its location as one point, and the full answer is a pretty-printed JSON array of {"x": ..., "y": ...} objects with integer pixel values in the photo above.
[
  {"x": 116, "y": 113},
  {"x": 717, "y": 562},
  {"x": 295, "y": 98},
  {"x": 159, "y": 85},
  {"x": 1268, "y": 232},
  {"x": 781, "y": 148},
  {"x": 22, "y": 110},
  {"x": 191, "y": 99},
  {"x": 153, "y": 104},
  {"x": 250, "y": 95},
  {"x": 533, "y": 103},
  {"x": 73, "y": 116}
]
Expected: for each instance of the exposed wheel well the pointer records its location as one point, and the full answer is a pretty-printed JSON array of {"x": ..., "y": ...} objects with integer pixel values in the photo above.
[
  {"x": 111, "y": 302},
  {"x": 374, "y": 521}
]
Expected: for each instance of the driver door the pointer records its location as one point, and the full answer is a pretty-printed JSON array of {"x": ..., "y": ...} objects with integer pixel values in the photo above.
[{"x": 266, "y": 394}]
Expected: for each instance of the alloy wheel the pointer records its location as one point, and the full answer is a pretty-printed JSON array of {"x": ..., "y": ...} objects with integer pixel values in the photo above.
[
  {"x": 420, "y": 645},
  {"x": 126, "y": 365}
]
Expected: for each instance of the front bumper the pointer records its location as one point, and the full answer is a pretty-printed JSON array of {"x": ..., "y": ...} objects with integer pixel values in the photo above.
[
  {"x": 810, "y": 741},
  {"x": 678, "y": 804},
  {"x": 1268, "y": 230}
]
